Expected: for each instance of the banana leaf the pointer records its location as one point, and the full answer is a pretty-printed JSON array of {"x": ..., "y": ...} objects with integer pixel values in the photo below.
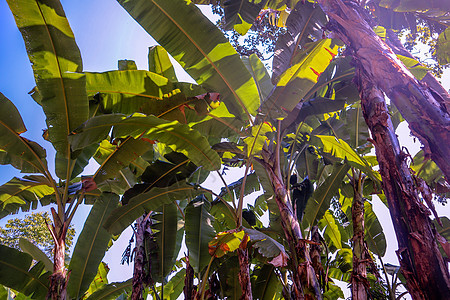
[
  {"x": 16, "y": 150},
  {"x": 199, "y": 232},
  {"x": 91, "y": 246},
  {"x": 178, "y": 137},
  {"x": 201, "y": 48},
  {"x": 56, "y": 62},
  {"x": 18, "y": 272}
]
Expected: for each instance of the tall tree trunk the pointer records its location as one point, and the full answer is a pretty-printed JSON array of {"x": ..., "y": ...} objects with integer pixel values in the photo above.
[
  {"x": 244, "y": 270},
  {"x": 423, "y": 109},
  {"x": 304, "y": 279},
  {"x": 427, "y": 276},
  {"x": 359, "y": 274}
]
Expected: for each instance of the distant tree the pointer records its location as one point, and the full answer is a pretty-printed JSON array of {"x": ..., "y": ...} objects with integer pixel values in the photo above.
[{"x": 34, "y": 229}]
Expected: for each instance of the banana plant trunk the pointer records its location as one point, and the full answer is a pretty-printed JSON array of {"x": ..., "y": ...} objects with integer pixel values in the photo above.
[
  {"x": 359, "y": 281},
  {"x": 139, "y": 259},
  {"x": 305, "y": 282},
  {"x": 427, "y": 276},
  {"x": 423, "y": 108},
  {"x": 58, "y": 280},
  {"x": 244, "y": 270}
]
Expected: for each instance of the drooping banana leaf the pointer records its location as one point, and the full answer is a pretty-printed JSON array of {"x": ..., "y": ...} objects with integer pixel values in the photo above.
[
  {"x": 268, "y": 247},
  {"x": 91, "y": 246},
  {"x": 112, "y": 290},
  {"x": 56, "y": 63},
  {"x": 18, "y": 151},
  {"x": 18, "y": 273},
  {"x": 123, "y": 216},
  {"x": 36, "y": 253},
  {"x": 201, "y": 49},
  {"x": 304, "y": 25},
  {"x": 320, "y": 201},
  {"x": 199, "y": 232},
  {"x": 178, "y": 137},
  {"x": 24, "y": 193},
  {"x": 229, "y": 278},
  {"x": 265, "y": 283},
  {"x": 168, "y": 232},
  {"x": 376, "y": 240},
  {"x": 159, "y": 63},
  {"x": 125, "y": 152}
]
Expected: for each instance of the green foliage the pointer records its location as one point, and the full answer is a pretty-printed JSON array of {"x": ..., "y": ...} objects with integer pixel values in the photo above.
[
  {"x": 32, "y": 228},
  {"x": 91, "y": 246},
  {"x": 21, "y": 275},
  {"x": 199, "y": 231}
]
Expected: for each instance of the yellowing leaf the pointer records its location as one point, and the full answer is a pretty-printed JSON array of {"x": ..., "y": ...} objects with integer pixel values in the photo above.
[{"x": 224, "y": 242}]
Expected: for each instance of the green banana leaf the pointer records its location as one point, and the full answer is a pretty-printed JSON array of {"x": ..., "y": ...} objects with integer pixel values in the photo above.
[
  {"x": 126, "y": 64},
  {"x": 173, "y": 289},
  {"x": 159, "y": 63},
  {"x": 240, "y": 14},
  {"x": 260, "y": 75},
  {"x": 304, "y": 25},
  {"x": 18, "y": 151},
  {"x": 340, "y": 149},
  {"x": 177, "y": 136},
  {"x": 443, "y": 47},
  {"x": 91, "y": 246},
  {"x": 228, "y": 272},
  {"x": 376, "y": 240},
  {"x": 303, "y": 73},
  {"x": 320, "y": 200},
  {"x": 332, "y": 232},
  {"x": 24, "y": 193},
  {"x": 265, "y": 283},
  {"x": 36, "y": 253},
  {"x": 133, "y": 91},
  {"x": 55, "y": 59},
  {"x": 168, "y": 232},
  {"x": 120, "y": 156},
  {"x": 112, "y": 290},
  {"x": 123, "y": 216},
  {"x": 201, "y": 49},
  {"x": 199, "y": 232},
  {"x": 268, "y": 247},
  {"x": 99, "y": 281},
  {"x": 18, "y": 273}
]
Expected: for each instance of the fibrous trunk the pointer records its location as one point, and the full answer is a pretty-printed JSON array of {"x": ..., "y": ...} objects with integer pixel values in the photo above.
[
  {"x": 305, "y": 282},
  {"x": 423, "y": 108},
  {"x": 139, "y": 276},
  {"x": 422, "y": 265},
  {"x": 244, "y": 270},
  {"x": 359, "y": 274},
  {"x": 58, "y": 280}
]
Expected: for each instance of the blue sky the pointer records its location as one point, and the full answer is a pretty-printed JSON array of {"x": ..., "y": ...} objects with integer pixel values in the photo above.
[{"x": 104, "y": 33}]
